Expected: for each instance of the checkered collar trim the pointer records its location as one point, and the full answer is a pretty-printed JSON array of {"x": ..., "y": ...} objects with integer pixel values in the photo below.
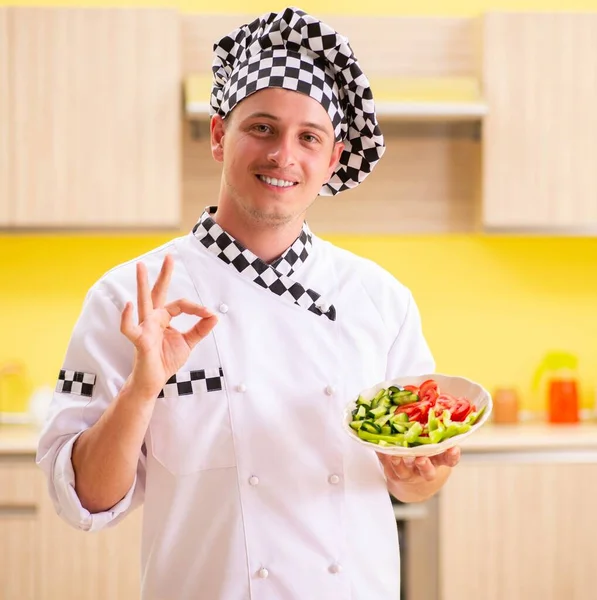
[{"x": 276, "y": 276}]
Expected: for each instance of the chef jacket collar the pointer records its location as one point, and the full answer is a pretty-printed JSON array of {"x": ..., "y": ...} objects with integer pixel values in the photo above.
[{"x": 274, "y": 276}]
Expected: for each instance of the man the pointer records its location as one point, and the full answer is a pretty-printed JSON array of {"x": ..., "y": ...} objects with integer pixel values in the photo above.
[{"x": 218, "y": 402}]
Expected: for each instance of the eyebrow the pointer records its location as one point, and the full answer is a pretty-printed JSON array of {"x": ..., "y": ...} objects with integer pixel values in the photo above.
[{"x": 307, "y": 124}]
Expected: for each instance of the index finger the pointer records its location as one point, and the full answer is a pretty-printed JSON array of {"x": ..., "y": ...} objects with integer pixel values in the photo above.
[{"x": 160, "y": 288}]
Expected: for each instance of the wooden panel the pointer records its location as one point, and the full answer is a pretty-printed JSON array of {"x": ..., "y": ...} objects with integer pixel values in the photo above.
[
  {"x": 95, "y": 138},
  {"x": 412, "y": 46},
  {"x": 540, "y": 137},
  {"x": 518, "y": 531},
  {"x": 5, "y": 119},
  {"x": 429, "y": 178},
  {"x": 20, "y": 482},
  {"x": 404, "y": 46},
  {"x": 200, "y": 175},
  {"x": 158, "y": 113},
  {"x": 19, "y": 557},
  {"x": 89, "y": 566},
  {"x": 427, "y": 181}
]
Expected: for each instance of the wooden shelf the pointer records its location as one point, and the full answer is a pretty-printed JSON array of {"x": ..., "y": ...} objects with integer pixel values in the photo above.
[{"x": 416, "y": 98}]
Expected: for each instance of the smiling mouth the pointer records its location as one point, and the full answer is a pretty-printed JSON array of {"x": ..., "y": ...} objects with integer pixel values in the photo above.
[{"x": 281, "y": 183}]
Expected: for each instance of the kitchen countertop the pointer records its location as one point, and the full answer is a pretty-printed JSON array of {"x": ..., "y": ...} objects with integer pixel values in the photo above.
[
  {"x": 20, "y": 439},
  {"x": 531, "y": 437}
]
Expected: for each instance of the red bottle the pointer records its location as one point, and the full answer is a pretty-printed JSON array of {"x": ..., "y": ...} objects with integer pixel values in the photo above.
[
  {"x": 562, "y": 398},
  {"x": 557, "y": 378}
]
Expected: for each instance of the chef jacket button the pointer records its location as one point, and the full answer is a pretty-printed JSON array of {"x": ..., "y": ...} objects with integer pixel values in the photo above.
[
  {"x": 223, "y": 308},
  {"x": 241, "y": 387},
  {"x": 335, "y": 568},
  {"x": 253, "y": 480},
  {"x": 330, "y": 390},
  {"x": 263, "y": 573},
  {"x": 334, "y": 479}
]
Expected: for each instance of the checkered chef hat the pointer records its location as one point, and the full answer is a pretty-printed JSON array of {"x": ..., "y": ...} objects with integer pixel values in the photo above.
[{"x": 295, "y": 51}]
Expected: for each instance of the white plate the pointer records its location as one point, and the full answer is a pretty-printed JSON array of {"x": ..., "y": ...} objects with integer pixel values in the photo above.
[{"x": 456, "y": 386}]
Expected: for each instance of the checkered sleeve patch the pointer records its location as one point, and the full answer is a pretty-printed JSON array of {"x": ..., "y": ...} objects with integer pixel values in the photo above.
[
  {"x": 75, "y": 382},
  {"x": 185, "y": 383}
]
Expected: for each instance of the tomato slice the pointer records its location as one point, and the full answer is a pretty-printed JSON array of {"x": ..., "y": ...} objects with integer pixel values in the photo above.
[
  {"x": 429, "y": 390},
  {"x": 430, "y": 396},
  {"x": 459, "y": 408},
  {"x": 416, "y": 411}
]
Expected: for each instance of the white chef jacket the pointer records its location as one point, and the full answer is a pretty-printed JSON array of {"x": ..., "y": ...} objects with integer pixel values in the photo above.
[{"x": 251, "y": 490}]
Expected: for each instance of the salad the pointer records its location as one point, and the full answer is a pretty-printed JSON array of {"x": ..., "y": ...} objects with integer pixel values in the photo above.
[{"x": 412, "y": 416}]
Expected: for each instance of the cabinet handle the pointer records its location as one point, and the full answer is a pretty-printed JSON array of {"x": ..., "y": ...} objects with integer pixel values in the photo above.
[{"x": 24, "y": 510}]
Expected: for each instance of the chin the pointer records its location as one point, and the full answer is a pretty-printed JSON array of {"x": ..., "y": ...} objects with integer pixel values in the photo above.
[{"x": 273, "y": 214}]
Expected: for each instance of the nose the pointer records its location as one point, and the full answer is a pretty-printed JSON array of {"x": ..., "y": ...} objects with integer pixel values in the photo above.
[{"x": 281, "y": 152}]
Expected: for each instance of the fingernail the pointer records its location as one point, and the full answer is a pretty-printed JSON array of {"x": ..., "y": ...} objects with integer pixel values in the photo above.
[{"x": 409, "y": 461}]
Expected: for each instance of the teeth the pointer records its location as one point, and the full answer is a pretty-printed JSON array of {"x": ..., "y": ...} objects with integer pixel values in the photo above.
[{"x": 276, "y": 182}]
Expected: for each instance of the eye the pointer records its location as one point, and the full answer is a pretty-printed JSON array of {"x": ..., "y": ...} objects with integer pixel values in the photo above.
[
  {"x": 310, "y": 138},
  {"x": 262, "y": 128}
]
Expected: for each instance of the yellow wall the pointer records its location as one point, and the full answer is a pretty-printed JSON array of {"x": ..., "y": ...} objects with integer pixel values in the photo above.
[
  {"x": 491, "y": 306},
  {"x": 396, "y": 7}
]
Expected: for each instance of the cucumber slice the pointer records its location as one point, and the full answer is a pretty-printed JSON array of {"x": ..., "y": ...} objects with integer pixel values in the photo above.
[
  {"x": 385, "y": 401},
  {"x": 398, "y": 427},
  {"x": 401, "y": 417},
  {"x": 377, "y": 398},
  {"x": 356, "y": 425},
  {"x": 381, "y": 421},
  {"x": 378, "y": 412},
  {"x": 370, "y": 427},
  {"x": 362, "y": 402}
]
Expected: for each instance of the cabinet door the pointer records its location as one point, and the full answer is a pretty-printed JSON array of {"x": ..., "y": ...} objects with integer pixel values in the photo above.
[
  {"x": 95, "y": 118},
  {"x": 18, "y": 553},
  {"x": 5, "y": 123},
  {"x": 19, "y": 528},
  {"x": 518, "y": 530},
  {"x": 90, "y": 565},
  {"x": 540, "y": 137}
]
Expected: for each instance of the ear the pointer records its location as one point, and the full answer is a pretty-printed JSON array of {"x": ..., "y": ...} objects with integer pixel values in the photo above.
[
  {"x": 217, "y": 131},
  {"x": 335, "y": 158}
]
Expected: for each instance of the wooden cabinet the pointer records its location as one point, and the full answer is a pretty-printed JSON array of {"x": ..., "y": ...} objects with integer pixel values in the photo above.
[
  {"x": 19, "y": 531},
  {"x": 90, "y": 105},
  {"x": 43, "y": 558},
  {"x": 504, "y": 140},
  {"x": 424, "y": 75},
  {"x": 91, "y": 97},
  {"x": 5, "y": 123},
  {"x": 518, "y": 526},
  {"x": 540, "y": 136},
  {"x": 89, "y": 565}
]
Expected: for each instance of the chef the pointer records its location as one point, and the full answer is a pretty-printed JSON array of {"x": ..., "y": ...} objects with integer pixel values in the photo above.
[{"x": 206, "y": 379}]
